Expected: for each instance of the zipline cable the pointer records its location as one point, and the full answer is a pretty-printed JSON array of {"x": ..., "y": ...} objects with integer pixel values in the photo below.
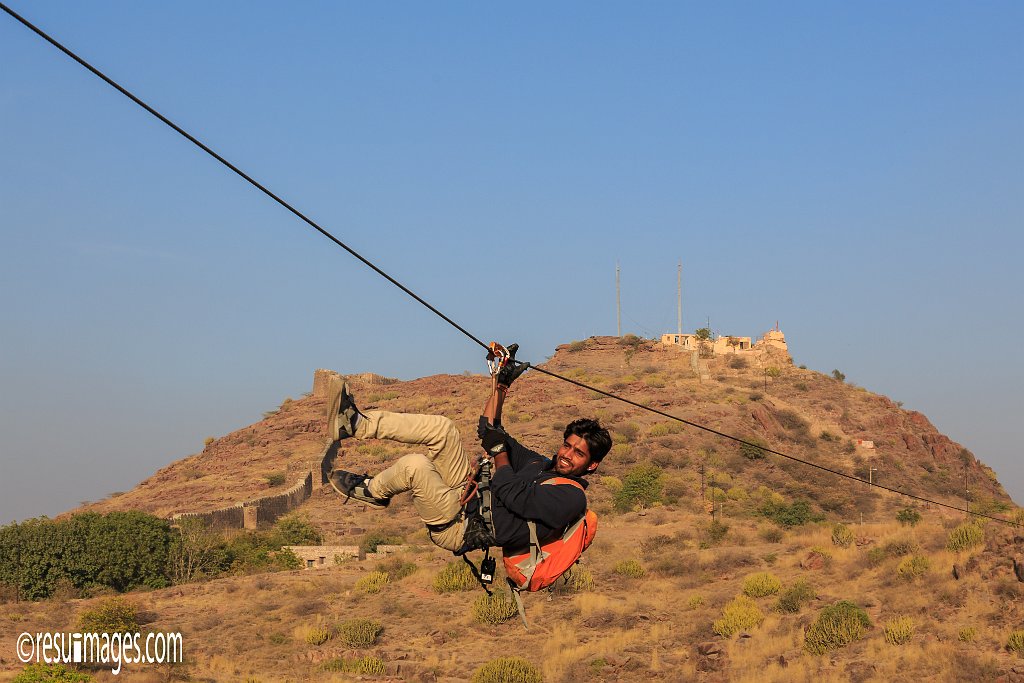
[
  {"x": 245, "y": 176},
  {"x": 441, "y": 315},
  {"x": 766, "y": 449}
]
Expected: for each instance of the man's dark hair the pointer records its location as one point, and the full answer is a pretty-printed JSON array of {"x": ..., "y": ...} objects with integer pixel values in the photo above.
[{"x": 599, "y": 442}]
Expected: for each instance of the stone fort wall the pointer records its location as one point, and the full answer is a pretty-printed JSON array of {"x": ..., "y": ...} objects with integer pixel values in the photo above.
[{"x": 267, "y": 509}]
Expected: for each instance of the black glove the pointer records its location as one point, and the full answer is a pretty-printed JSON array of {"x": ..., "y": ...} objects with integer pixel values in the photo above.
[
  {"x": 512, "y": 370},
  {"x": 492, "y": 437}
]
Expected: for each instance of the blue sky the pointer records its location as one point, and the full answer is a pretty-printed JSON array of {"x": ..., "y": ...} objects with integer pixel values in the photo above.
[{"x": 853, "y": 171}]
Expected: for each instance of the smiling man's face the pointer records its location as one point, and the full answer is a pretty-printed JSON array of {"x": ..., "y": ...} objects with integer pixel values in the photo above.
[{"x": 573, "y": 458}]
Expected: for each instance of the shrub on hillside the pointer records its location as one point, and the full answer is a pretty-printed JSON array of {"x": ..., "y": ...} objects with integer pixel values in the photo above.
[
  {"x": 641, "y": 486},
  {"x": 899, "y": 631},
  {"x": 50, "y": 673},
  {"x": 115, "y": 615},
  {"x": 842, "y": 536},
  {"x": 576, "y": 579},
  {"x": 1015, "y": 643},
  {"x": 275, "y": 479},
  {"x": 397, "y": 568},
  {"x": 966, "y": 634},
  {"x": 359, "y": 632},
  {"x": 908, "y": 517},
  {"x": 507, "y": 670},
  {"x": 797, "y": 514},
  {"x": 753, "y": 449},
  {"x": 577, "y": 346},
  {"x": 373, "y": 582},
  {"x": 795, "y": 597},
  {"x": 713, "y": 534},
  {"x": 294, "y": 529},
  {"x": 630, "y": 568},
  {"x": 365, "y": 666},
  {"x": 455, "y": 577},
  {"x": 740, "y": 614},
  {"x": 494, "y": 609},
  {"x": 665, "y": 428},
  {"x": 760, "y": 584},
  {"x": 317, "y": 635},
  {"x": 627, "y": 432},
  {"x": 965, "y": 537},
  {"x": 118, "y": 550},
  {"x": 377, "y": 537},
  {"x": 913, "y": 567},
  {"x": 836, "y": 626}
]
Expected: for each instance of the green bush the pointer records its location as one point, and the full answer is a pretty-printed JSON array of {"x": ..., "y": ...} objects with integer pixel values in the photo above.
[
  {"x": 797, "y": 514},
  {"x": 50, "y": 673},
  {"x": 318, "y": 635},
  {"x": 373, "y": 582},
  {"x": 366, "y": 666},
  {"x": 118, "y": 550},
  {"x": 630, "y": 568},
  {"x": 640, "y": 487},
  {"x": 577, "y": 346},
  {"x": 496, "y": 608},
  {"x": 294, "y": 529},
  {"x": 455, "y": 577},
  {"x": 795, "y": 597},
  {"x": 908, "y": 517},
  {"x": 275, "y": 479},
  {"x": 966, "y": 634},
  {"x": 695, "y": 601},
  {"x": 1015, "y": 643},
  {"x": 842, "y": 536},
  {"x": 965, "y": 537},
  {"x": 753, "y": 449},
  {"x": 713, "y": 534},
  {"x": 359, "y": 632},
  {"x": 836, "y": 626},
  {"x": 372, "y": 539},
  {"x": 507, "y": 670},
  {"x": 899, "y": 631},
  {"x": 114, "y": 615},
  {"x": 740, "y": 614},
  {"x": 761, "y": 584},
  {"x": 913, "y": 567}
]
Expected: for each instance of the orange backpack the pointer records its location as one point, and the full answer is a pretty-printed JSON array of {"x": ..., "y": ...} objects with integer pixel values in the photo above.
[{"x": 543, "y": 564}]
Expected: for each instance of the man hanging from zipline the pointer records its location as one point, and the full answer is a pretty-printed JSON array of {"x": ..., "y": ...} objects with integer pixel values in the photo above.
[{"x": 534, "y": 500}]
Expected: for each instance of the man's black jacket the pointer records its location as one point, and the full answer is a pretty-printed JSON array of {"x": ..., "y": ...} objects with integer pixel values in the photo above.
[{"x": 519, "y": 496}]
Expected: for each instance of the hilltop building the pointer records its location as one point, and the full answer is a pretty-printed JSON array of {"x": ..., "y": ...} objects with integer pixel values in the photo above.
[{"x": 727, "y": 343}]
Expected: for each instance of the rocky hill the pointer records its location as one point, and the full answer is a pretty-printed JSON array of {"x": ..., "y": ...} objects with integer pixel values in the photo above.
[
  {"x": 796, "y": 411},
  {"x": 666, "y": 592}
]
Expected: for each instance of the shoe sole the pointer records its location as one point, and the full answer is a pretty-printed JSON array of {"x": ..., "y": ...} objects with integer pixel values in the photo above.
[
  {"x": 349, "y": 497},
  {"x": 335, "y": 389}
]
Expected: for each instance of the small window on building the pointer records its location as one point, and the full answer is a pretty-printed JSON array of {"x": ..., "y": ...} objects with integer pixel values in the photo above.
[
  {"x": 309, "y": 564},
  {"x": 322, "y": 560},
  {"x": 677, "y": 339}
]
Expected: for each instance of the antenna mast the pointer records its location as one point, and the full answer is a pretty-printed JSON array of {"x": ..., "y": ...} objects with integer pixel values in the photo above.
[
  {"x": 618, "y": 303},
  {"x": 679, "y": 295}
]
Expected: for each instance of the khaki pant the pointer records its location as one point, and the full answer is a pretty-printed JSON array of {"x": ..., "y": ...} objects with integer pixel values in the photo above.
[{"x": 435, "y": 479}]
